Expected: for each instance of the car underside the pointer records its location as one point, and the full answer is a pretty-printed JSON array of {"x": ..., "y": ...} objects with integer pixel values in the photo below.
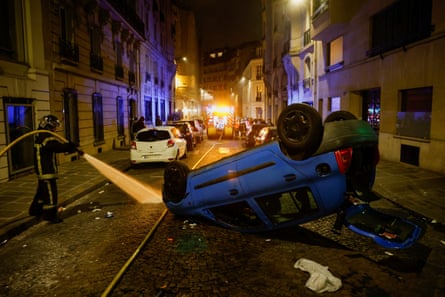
[{"x": 314, "y": 169}]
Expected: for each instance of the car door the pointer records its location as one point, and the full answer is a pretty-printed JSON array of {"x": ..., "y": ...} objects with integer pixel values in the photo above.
[
  {"x": 215, "y": 185},
  {"x": 264, "y": 171},
  {"x": 386, "y": 230}
]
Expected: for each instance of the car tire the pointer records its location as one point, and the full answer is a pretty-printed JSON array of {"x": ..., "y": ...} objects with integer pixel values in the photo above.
[
  {"x": 300, "y": 129},
  {"x": 175, "y": 181},
  {"x": 340, "y": 115}
]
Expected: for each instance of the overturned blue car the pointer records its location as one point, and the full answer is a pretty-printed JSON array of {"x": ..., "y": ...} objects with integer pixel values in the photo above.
[{"x": 314, "y": 169}]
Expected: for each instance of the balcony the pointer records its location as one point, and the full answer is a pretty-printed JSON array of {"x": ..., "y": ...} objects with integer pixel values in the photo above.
[
  {"x": 129, "y": 15},
  {"x": 330, "y": 18},
  {"x": 68, "y": 51}
]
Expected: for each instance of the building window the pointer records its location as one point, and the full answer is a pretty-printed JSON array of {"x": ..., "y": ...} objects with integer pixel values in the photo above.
[
  {"x": 132, "y": 67},
  {"x": 258, "y": 112},
  {"x": 120, "y": 115},
  {"x": 68, "y": 49},
  {"x": 163, "y": 110},
  {"x": 119, "y": 69},
  {"x": 402, "y": 23},
  {"x": 96, "y": 61},
  {"x": 307, "y": 73},
  {"x": 259, "y": 72},
  {"x": 148, "y": 104},
  {"x": 334, "y": 54},
  {"x": 11, "y": 31},
  {"x": 71, "y": 116},
  {"x": 259, "y": 52},
  {"x": 320, "y": 106},
  {"x": 371, "y": 107},
  {"x": 19, "y": 120},
  {"x": 319, "y": 6},
  {"x": 156, "y": 107},
  {"x": 333, "y": 104},
  {"x": 259, "y": 94},
  {"x": 155, "y": 71},
  {"x": 307, "y": 37},
  {"x": 414, "y": 117},
  {"x": 98, "y": 119}
]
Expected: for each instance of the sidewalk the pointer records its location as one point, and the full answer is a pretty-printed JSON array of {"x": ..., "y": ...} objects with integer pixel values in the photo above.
[
  {"x": 418, "y": 190},
  {"x": 421, "y": 191}
]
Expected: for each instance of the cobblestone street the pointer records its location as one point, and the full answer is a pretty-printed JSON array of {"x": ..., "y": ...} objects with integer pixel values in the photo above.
[
  {"x": 81, "y": 256},
  {"x": 204, "y": 260},
  {"x": 188, "y": 258}
]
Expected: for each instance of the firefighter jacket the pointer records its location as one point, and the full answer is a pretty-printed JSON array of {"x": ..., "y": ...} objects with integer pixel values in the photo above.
[{"x": 45, "y": 148}]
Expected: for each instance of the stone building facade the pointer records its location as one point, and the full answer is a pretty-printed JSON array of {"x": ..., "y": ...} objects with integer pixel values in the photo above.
[
  {"x": 382, "y": 60},
  {"x": 95, "y": 64}
]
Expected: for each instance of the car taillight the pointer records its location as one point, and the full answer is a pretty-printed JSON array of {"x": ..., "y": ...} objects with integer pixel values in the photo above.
[
  {"x": 170, "y": 143},
  {"x": 133, "y": 145},
  {"x": 344, "y": 158}
]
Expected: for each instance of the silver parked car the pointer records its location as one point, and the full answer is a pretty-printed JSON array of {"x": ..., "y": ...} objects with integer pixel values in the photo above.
[{"x": 159, "y": 144}]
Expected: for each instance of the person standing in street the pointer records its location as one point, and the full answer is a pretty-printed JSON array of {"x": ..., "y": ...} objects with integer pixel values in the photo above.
[
  {"x": 46, "y": 146},
  {"x": 138, "y": 125},
  {"x": 158, "y": 121}
]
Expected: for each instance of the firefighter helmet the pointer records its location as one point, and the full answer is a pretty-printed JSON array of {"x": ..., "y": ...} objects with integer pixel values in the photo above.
[{"x": 49, "y": 122}]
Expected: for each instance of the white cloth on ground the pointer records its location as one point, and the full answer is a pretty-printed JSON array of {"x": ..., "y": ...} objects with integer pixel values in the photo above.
[{"x": 321, "y": 279}]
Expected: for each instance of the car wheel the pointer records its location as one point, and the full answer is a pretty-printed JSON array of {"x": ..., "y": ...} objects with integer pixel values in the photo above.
[
  {"x": 340, "y": 115},
  {"x": 175, "y": 181},
  {"x": 300, "y": 129}
]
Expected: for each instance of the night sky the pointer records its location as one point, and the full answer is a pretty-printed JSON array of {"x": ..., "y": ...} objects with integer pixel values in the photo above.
[{"x": 222, "y": 23}]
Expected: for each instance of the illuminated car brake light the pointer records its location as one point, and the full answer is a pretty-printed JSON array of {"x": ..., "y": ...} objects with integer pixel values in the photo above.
[
  {"x": 170, "y": 143},
  {"x": 344, "y": 158},
  {"x": 133, "y": 145}
]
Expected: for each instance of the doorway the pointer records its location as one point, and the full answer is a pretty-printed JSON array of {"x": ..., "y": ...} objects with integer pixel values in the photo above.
[
  {"x": 371, "y": 108},
  {"x": 19, "y": 121}
]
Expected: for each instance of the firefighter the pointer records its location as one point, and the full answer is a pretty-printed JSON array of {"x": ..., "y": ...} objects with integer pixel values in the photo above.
[{"x": 46, "y": 146}]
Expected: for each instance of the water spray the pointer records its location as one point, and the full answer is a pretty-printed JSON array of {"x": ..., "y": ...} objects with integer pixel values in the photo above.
[{"x": 134, "y": 188}]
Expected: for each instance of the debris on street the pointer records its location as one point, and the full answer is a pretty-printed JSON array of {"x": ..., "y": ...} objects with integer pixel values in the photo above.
[{"x": 321, "y": 279}]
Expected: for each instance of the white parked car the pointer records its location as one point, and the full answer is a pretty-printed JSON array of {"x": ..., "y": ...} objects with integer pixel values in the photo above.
[{"x": 159, "y": 144}]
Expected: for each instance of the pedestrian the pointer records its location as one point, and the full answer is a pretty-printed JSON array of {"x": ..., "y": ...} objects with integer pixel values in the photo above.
[
  {"x": 138, "y": 125},
  {"x": 158, "y": 121},
  {"x": 46, "y": 146}
]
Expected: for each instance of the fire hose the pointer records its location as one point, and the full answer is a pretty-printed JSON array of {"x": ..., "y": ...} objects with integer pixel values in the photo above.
[{"x": 9, "y": 146}]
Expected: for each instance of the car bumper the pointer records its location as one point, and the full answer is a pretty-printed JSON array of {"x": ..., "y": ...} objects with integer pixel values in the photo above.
[{"x": 144, "y": 157}]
